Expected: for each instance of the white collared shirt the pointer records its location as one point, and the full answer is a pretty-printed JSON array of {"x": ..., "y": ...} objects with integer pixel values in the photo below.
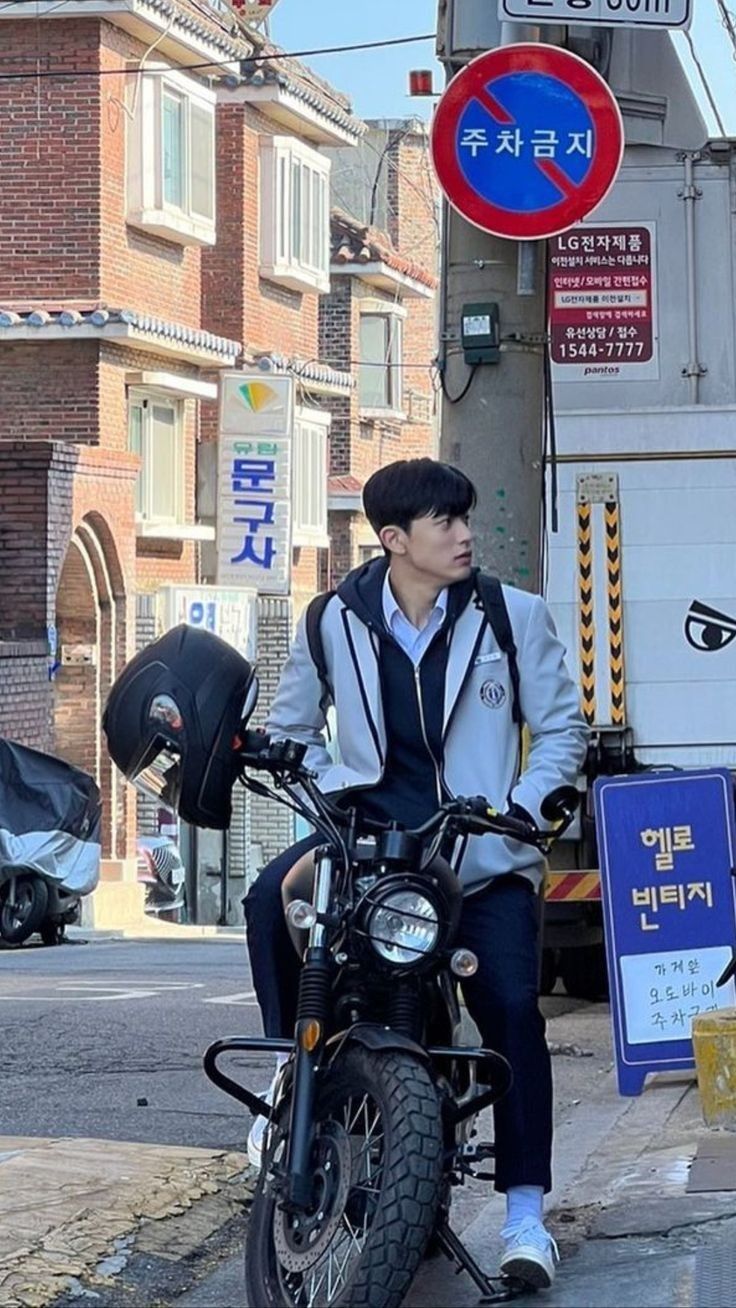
[{"x": 414, "y": 642}]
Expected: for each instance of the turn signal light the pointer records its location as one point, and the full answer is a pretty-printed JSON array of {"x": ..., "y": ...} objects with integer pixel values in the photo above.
[
  {"x": 310, "y": 1035},
  {"x": 464, "y": 963},
  {"x": 301, "y": 915}
]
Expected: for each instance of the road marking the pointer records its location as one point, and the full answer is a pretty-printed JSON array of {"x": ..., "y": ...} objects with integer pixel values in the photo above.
[
  {"x": 107, "y": 992},
  {"x": 78, "y": 992},
  {"x": 246, "y": 998},
  {"x": 80, "y": 999},
  {"x": 116, "y": 985}
]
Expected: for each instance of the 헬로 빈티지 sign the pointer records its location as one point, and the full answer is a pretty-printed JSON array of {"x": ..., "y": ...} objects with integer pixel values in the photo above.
[
  {"x": 667, "y": 843},
  {"x": 603, "y": 303},
  {"x": 254, "y": 484}
]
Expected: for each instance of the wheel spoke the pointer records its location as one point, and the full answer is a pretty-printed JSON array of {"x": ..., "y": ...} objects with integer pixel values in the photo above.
[
  {"x": 356, "y": 1240},
  {"x": 360, "y": 1119}
]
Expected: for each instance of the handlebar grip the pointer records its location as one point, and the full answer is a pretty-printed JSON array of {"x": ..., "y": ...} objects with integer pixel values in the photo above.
[
  {"x": 503, "y": 824},
  {"x": 254, "y": 742}
]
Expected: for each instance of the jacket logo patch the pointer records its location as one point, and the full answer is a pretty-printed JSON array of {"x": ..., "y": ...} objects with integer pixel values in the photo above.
[{"x": 493, "y": 694}]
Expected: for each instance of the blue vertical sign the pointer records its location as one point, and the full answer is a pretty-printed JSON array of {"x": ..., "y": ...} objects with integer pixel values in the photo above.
[{"x": 667, "y": 845}]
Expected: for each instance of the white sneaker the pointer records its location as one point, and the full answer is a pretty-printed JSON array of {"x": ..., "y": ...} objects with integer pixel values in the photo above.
[
  {"x": 530, "y": 1253},
  {"x": 258, "y": 1130}
]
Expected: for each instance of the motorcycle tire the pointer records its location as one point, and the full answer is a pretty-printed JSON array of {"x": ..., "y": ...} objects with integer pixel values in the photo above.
[
  {"x": 304, "y": 1263},
  {"x": 20, "y": 921}
]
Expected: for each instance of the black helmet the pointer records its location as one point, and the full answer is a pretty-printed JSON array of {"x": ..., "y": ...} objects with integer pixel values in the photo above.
[{"x": 171, "y": 719}]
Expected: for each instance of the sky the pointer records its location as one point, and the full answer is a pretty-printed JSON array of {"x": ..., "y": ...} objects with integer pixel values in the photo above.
[{"x": 377, "y": 81}]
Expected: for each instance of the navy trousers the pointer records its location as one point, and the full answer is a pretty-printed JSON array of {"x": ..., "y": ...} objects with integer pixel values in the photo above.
[{"x": 500, "y": 925}]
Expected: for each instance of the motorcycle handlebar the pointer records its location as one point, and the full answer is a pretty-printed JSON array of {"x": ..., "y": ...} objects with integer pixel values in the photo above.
[{"x": 474, "y": 815}]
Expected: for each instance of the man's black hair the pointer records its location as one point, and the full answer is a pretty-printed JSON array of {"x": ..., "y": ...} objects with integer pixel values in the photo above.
[{"x": 416, "y": 488}]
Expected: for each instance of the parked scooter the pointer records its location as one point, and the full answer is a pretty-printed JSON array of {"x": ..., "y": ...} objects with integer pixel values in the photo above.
[{"x": 50, "y": 817}]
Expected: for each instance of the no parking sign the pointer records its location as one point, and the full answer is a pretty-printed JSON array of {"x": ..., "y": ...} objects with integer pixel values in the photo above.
[{"x": 526, "y": 141}]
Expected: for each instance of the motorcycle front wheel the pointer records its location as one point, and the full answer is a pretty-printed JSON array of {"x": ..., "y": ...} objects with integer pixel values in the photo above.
[{"x": 377, "y": 1164}]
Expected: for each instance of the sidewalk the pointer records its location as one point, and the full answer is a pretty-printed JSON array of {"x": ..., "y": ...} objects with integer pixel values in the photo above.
[
  {"x": 71, "y": 1210},
  {"x": 154, "y": 930},
  {"x": 628, "y": 1233}
]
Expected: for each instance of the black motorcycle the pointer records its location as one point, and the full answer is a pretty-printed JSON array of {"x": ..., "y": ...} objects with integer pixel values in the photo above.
[{"x": 373, "y": 1120}]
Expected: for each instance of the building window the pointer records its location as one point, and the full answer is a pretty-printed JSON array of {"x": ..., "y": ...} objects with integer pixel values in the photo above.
[
  {"x": 295, "y": 215},
  {"x": 311, "y": 429},
  {"x": 379, "y": 381},
  {"x": 171, "y": 159},
  {"x": 155, "y": 435}
]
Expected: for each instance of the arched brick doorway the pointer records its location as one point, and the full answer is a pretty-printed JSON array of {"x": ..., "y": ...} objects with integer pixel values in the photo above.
[{"x": 91, "y": 634}]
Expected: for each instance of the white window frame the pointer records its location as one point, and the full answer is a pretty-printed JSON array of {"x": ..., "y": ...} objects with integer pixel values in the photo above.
[
  {"x": 396, "y": 315},
  {"x": 309, "y": 477},
  {"x": 147, "y": 207},
  {"x": 298, "y": 259},
  {"x": 144, "y": 401}
]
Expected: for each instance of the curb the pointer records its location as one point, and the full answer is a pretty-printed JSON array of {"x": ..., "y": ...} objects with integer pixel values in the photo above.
[{"x": 165, "y": 931}]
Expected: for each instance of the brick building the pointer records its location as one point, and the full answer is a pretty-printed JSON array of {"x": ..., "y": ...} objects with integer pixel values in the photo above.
[{"x": 164, "y": 216}]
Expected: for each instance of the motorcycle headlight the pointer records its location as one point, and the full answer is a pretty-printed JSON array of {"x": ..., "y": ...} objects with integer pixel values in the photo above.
[{"x": 404, "y": 927}]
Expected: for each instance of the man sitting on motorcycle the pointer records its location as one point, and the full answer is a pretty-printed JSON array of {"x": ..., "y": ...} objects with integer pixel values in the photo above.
[{"x": 424, "y": 701}]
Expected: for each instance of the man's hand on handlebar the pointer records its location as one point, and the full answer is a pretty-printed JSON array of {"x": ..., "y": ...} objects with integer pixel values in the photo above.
[
  {"x": 284, "y": 760},
  {"x": 257, "y": 750}
]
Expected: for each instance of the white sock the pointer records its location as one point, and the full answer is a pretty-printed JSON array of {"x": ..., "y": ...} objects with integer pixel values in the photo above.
[
  {"x": 280, "y": 1060},
  {"x": 523, "y": 1201}
]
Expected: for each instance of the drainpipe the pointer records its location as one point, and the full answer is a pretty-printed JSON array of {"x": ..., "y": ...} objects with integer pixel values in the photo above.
[{"x": 690, "y": 194}]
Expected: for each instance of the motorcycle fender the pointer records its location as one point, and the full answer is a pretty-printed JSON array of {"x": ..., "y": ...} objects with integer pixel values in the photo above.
[{"x": 374, "y": 1037}]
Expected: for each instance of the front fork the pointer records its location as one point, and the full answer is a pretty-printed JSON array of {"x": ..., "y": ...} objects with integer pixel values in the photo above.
[{"x": 312, "y": 1012}]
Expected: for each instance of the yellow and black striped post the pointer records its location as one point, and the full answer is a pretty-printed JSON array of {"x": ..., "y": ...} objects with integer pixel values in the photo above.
[
  {"x": 587, "y": 630},
  {"x": 615, "y": 614}
]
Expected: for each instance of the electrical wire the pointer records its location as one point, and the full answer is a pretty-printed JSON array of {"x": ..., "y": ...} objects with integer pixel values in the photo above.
[
  {"x": 727, "y": 21},
  {"x": 216, "y": 63},
  {"x": 551, "y": 443},
  {"x": 704, "y": 80},
  {"x": 455, "y": 399}
]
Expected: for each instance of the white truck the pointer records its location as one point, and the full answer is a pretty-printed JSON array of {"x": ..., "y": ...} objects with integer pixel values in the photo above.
[{"x": 642, "y": 571}]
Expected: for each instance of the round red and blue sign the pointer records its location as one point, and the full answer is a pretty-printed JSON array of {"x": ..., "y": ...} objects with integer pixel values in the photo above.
[{"x": 526, "y": 141}]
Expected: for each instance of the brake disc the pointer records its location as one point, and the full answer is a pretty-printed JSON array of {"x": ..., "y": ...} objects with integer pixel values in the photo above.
[{"x": 301, "y": 1239}]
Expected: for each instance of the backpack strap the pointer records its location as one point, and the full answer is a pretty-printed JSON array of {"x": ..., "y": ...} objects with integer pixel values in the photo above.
[
  {"x": 315, "y": 609},
  {"x": 491, "y": 595}
]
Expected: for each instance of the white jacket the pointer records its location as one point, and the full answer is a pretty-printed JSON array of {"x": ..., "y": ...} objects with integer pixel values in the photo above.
[{"x": 481, "y": 741}]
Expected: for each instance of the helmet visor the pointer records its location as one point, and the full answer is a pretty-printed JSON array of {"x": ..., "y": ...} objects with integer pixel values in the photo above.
[{"x": 160, "y": 779}]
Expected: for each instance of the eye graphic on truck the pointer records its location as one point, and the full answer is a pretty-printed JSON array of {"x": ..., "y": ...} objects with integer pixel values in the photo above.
[{"x": 707, "y": 629}]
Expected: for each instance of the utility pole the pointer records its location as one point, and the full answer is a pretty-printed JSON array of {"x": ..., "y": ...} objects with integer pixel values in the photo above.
[{"x": 496, "y": 432}]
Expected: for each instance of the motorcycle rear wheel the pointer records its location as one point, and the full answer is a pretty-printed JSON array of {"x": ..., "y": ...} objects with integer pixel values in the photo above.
[
  {"x": 378, "y": 1183},
  {"x": 23, "y": 915}
]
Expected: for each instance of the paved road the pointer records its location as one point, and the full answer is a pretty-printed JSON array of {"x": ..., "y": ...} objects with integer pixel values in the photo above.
[{"x": 88, "y": 1030}]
